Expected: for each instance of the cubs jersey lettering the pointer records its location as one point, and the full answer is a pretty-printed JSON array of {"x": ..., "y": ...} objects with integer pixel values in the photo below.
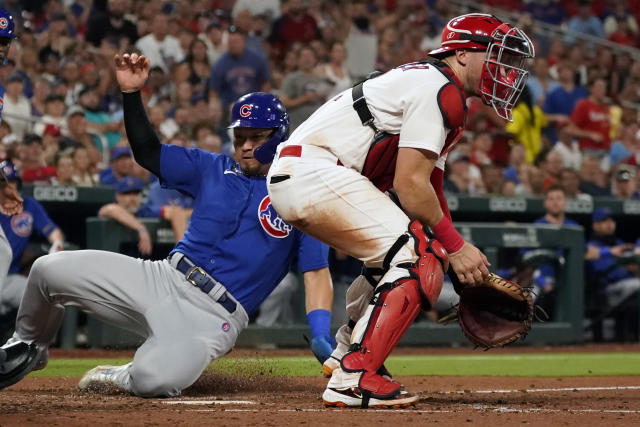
[
  {"x": 20, "y": 227},
  {"x": 243, "y": 213}
]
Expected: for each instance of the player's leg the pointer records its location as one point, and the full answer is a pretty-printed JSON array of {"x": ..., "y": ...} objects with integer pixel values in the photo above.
[
  {"x": 12, "y": 291},
  {"x": 111, "y": 287},
  {"x": 187, "y": 330}
]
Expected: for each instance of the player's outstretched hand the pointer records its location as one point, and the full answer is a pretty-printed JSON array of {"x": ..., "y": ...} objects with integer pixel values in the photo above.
[
  {"x": 132, "y": 71},
  {"x": 469, "y": 264},
  {"x": 10, "y": 200}
]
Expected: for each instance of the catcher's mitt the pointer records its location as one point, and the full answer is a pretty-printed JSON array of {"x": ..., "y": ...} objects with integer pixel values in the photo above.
[{"x": 494, "y": 313}]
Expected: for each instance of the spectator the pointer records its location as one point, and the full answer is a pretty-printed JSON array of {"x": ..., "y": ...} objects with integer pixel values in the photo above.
[
  {"x": 625, "y": 184},
  {"x": 303, "y": 91},
  {"x": 54, "y": 108},
  {"x": 620, "y": 15},
  {"x": 170, "y": 205},
  {"x": 34, "y": 169},
  {"x": 540, "y": 83},
  {"x": 126, "y": 208},
  {"x": 112, "y": 26},
  {"x": 544, "y": 276},
  {"x": 624, "y": 150},
  {"x": 238, "y": 71},
  {"x": 50, "y": 64},
  {"x": 584, "y": 22},
  {"x": 387, "y": 56},
  {"x": 41, "y": 90},
  {"x": 64, "y": 169},
  {"x": 196, "y": 67},
  {"x": 267, "y": 8},
  {"x": 491, "y": 179},
  {"x": 362, "y": 42},
  {"x": 570, "y": 183},
  {"x": 461, "y": 176},
  {"x": 552, "y": 167},
  {"x": 211, "y": 143},
  {"x": 17, "y": 109},
  {"x": 82, "y": 170},
  {"x": 335, "y": 71},
  {"x": 121, "y": 166},
  {"x": 568, "y": 149},
  {"x": 532, "y": 179},
  {"x": 527, "y": 124},
  {"x": 593, "y": 180},
  {"x": 215, "y": 39},
  {"x": 592, "y": 122},
  {"x": 50, "y": 143},
  {"x": 99, "y": 120},
  {"x": 295, "y": 24},
  {"x": 563, "y": 99},
  {"x": 162, "y": 49},
  {"x": 33, "y": 220},
  {"x": 611, "y": 277},
  {"x": 76, "y": 130}
]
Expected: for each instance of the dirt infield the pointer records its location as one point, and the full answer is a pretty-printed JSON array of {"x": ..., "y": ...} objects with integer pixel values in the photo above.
[{"x": 229, "y": 401}]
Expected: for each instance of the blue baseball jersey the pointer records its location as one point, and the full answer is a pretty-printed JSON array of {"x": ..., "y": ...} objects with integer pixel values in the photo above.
[
  {"x": 234, "y": 233},
  {"x": 19, "y": 228},
  {"x": 1, "y": 99}
]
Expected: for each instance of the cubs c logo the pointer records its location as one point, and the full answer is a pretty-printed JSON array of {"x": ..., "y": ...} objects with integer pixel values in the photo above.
[
  {"x": 22, "y": 224},
  {"x": 226, "y": 326},
  {"x": 4, "y": 23},
  {"x": 245, "y": 110},
  {"x": 270, "y": 221}
]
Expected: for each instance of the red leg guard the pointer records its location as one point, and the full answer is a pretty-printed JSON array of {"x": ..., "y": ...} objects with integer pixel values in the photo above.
[
  {"x": 431, "y": 265},
  {"x": 394, "y": 311}
]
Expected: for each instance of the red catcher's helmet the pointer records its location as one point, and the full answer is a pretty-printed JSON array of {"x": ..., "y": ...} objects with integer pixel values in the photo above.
[{"x": 504, "y": 73}]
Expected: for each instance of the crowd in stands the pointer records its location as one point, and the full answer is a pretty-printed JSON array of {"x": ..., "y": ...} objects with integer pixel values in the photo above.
[{"x": 576, "y": 124}]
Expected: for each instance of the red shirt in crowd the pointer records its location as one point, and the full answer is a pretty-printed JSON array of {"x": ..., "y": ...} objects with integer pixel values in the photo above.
[
  {"x": 41, "y": 174},
  {"x": 589, "y": 116}
]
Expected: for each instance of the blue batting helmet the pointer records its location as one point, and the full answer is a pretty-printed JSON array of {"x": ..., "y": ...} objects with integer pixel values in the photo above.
[
  {"x": 265, "y": 111},
  {"x": 7, "y": 27},
  {"x": 9, "y": 170}
]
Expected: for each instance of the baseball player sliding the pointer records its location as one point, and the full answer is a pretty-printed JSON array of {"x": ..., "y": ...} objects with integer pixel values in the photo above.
[
  {"x": 394, "y": 130},
  {"x": 192, "y": 306}
]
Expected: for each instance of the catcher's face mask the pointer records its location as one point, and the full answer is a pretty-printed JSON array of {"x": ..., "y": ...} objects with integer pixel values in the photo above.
[{"x": 504, "y": 73}]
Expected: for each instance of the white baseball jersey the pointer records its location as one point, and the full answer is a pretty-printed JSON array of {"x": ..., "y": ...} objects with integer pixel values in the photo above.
[{"x": 413, "y": 102}]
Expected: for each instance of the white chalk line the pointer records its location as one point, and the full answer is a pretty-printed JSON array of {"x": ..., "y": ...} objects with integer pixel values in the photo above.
[
  {"x": 208, "y": 402},
  {"x": 543, "y": 390},
  {"x": 500, "y": 409}
]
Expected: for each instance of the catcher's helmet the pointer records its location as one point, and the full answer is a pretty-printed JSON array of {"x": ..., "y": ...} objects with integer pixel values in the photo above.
[
  {"x": 7, "y": 26},
  {"x": 266, "y": 111},
  {"x": 504, "y": 74}
]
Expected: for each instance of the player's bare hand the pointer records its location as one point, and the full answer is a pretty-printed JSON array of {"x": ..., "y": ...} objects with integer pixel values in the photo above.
[
  {"x": 144, "y": 242},
  {"x": 132, "y": 71},
  {"x": 469, "y": 264},
  {"x": 10, "y": 200}
]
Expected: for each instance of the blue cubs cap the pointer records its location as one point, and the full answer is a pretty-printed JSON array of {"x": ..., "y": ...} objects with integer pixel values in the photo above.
[
  {"x": 7, "y": 27},
  {"x": 118, "y": 152},
  {"x": 263, "y": 111},
  {"x": 600, "y": 214},
  {"x": 128, "y": 184},
  {"x": 9, "y": 170}
]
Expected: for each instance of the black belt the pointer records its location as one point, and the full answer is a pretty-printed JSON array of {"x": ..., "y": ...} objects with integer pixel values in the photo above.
[{"x": 198, "y": 277}]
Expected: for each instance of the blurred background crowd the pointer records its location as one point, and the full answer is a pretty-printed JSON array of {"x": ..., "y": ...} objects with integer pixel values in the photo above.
[{"x": 576, "y": 127}]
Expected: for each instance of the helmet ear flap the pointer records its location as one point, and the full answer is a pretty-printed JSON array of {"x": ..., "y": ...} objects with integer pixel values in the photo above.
[{"x": 267, "y": 151}]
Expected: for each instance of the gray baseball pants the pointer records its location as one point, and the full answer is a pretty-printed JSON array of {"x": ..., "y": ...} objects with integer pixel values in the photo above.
[{"x": 184, "y": 329}]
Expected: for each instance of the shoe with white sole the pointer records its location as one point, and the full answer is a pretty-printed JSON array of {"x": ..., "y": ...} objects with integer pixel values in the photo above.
[
  {"x": 343, "y": 390},
  {"x": 17, "y": 359},
  {"x": 332, "y": 363},
  {"x": 105, "y": 378},
  {"x": 352, "y": 397}
]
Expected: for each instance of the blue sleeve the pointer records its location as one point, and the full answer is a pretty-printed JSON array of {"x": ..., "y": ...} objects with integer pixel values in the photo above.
[
  {"x": 181, "y": 168},
  {"x": 41, "y": 221},
  {"x": 312, "y": 254}
]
